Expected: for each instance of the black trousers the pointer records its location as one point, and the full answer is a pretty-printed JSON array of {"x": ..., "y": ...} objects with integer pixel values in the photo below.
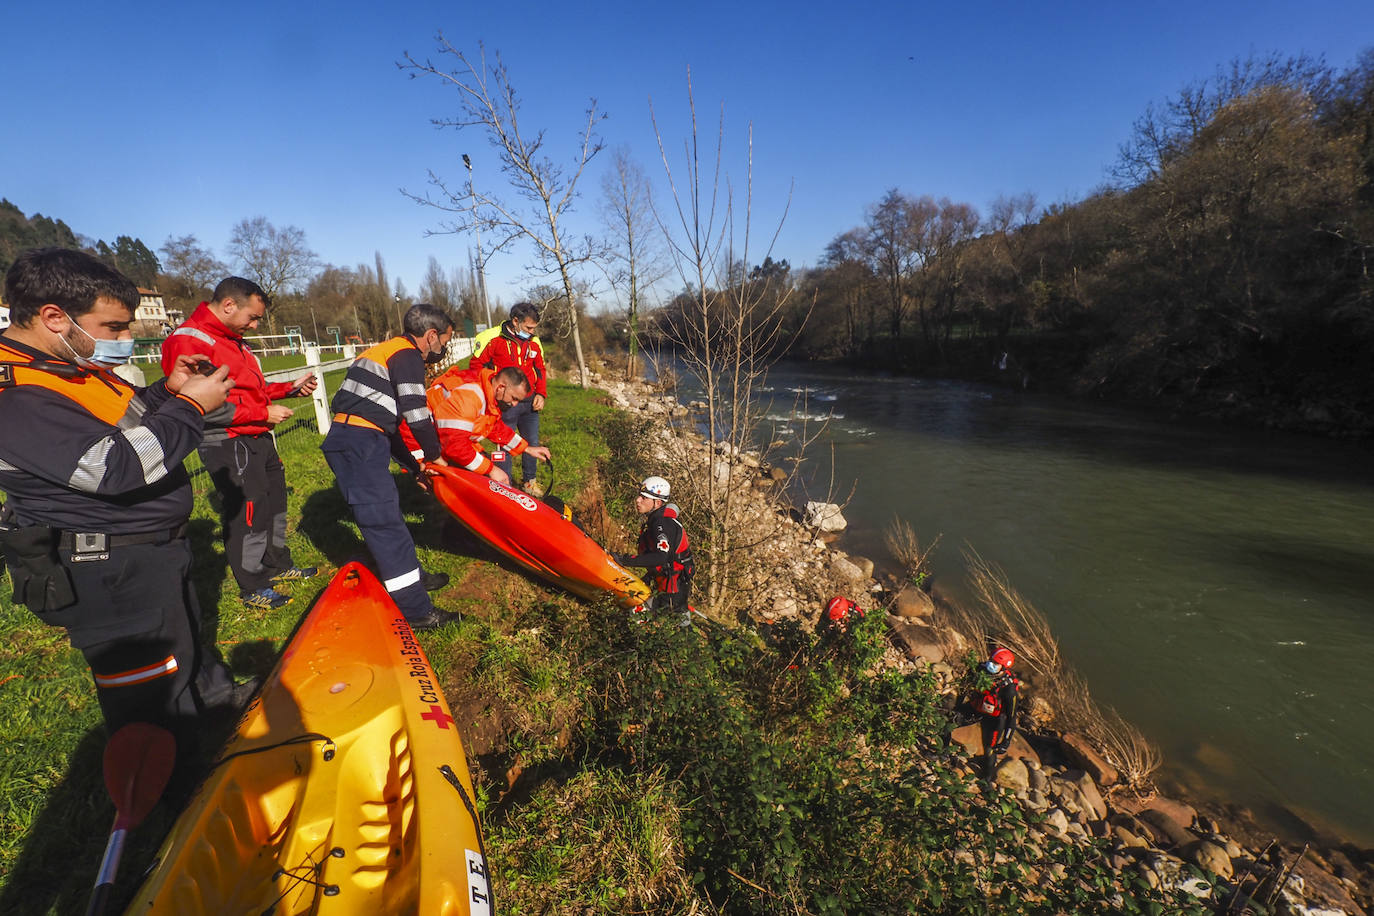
[
  {"x": 137, "y": 621},
  {"x": 251, "y": 480}
]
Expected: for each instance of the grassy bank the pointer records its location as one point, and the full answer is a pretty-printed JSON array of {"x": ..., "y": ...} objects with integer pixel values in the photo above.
[{"x": 620, "y": 767}]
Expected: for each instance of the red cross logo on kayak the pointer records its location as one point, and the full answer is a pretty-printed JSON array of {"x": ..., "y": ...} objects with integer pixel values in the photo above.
[{"x": 436, "y": 714}]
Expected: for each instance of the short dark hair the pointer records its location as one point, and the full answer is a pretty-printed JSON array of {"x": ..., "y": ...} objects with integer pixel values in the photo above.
[
  {"x": 423, "y": 317},
  {"x": 64, "y": 277},
  {"x": 512, "y": 375},
  {"x": 239, "y": 288},
  {"x": 522, "y": 310}
]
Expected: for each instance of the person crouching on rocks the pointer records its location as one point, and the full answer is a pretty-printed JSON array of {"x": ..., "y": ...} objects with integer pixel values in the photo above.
[
  {"x": 996, "y": 703},
  {"x": 664, "y": 549},
  {"x": 840, "y": 614}
]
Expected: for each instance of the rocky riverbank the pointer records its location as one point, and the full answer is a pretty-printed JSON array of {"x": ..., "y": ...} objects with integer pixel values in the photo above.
[{"x": 1072, "y": 786}]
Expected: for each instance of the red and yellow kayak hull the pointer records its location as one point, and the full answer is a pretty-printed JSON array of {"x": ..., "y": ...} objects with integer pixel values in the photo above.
[
  {"x": 345, "y": 789},
  {"x": 536, "y": 536}
]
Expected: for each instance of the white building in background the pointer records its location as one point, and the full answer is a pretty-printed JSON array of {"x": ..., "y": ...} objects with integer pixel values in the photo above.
[
  {"x": 4, "y": 317},
  {"x": 150, "y": 318}
]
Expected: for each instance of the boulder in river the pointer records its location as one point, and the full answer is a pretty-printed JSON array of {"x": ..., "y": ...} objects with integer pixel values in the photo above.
[
  {"x": 913, "y": 602},
  {"x": 1082, "y": 755},
  {"x": 826, "y": 517}
]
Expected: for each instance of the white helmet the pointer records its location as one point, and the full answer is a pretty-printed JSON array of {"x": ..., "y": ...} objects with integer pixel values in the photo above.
[{"x": 655, "y": 488}]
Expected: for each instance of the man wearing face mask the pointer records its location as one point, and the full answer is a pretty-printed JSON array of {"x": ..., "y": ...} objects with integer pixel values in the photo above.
[
  {"x": 515, "y": 345},
  {"x": 384, "y": 386},
  {"x": 238, "y": 449},
  {"x": 94, "y": 532}
]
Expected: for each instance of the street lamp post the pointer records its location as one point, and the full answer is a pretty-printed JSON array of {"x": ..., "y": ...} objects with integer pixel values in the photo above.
[{"x": 477, "y": 228}]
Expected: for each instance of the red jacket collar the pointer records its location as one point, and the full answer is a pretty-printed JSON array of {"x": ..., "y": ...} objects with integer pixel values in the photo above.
[{"x": 207, "y": 319}]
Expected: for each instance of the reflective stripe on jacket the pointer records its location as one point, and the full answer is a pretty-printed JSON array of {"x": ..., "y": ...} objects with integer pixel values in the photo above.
[
  {"x": 84, "y": 450},
  {"x": 465, "y": 410},
  {"x": 251, "y": 395},
  {"x": 506, "y": 349},
  {"x": 386, "y": 384}
]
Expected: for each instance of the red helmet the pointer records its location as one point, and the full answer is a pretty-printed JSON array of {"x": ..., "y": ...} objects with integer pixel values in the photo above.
[
  {"x": 1004, "y": 658},
  {"x": 837, "y": 608}
]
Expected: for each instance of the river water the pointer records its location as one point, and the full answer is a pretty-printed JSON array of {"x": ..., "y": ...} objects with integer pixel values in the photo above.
[{"x": 1212, "y": 584}]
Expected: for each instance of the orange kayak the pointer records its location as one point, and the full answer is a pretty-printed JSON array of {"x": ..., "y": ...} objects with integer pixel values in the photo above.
[
  {"x": 535, "y": 535},
  {"x": 345, "y": 789}
]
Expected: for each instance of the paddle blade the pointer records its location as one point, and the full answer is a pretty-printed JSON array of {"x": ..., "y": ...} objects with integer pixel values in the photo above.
[{"x": 138, "y": 762}]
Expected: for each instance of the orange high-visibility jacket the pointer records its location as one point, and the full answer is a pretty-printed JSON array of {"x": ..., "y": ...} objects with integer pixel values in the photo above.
[{"x": 465, "y": 411}]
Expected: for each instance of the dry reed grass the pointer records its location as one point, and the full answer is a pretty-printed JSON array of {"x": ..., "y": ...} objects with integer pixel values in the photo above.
[
  {"x": 905, "y": 548},
  {"x": 1002, "y": 616}
]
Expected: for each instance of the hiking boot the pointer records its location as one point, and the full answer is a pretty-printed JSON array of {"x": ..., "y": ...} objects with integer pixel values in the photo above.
[
  {"x": 267, "y": 599},
  {"x": 296, "y": 572},
  {"x": 434, "y": 620},
  {"x": 433, "y": 581},
  {"x": 534, "y": 488}
]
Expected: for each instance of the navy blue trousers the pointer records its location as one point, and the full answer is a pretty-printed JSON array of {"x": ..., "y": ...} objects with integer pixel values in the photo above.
[
  {"x": 524, "y": 419},
  {"x": 361, "y": 462}
]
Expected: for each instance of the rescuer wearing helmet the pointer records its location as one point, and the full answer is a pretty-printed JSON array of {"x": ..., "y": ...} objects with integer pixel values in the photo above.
[
  {"x": 996, "y": 703},
  {"x": 95, "y": 529},
  {"x": 664, "y": 549},
  {"x": 839, "y": 614}
]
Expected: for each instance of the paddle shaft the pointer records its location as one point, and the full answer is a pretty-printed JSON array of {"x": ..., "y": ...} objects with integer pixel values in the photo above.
[{"x": 109, "y": 865}]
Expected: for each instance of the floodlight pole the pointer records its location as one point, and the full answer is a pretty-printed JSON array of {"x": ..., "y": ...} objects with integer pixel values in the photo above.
[{"x": 477, "y": 228}]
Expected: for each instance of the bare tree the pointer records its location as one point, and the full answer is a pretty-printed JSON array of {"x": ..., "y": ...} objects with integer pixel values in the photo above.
[
  {"x": 192, "y": 268},
  {"x": 489, "y": 102},
  {"x": 278, "y": 260},
  {"x": 727, "y": 330},
  {"x": 636, "y": 259},
  {"x": 898, "y": 243},
  {"x": 437, "y": 288}
]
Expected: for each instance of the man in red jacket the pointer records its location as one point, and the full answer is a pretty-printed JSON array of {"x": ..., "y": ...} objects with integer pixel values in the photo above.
[
  {"x": 238, "y": 449},
  {"x": 517, "y": 346}
]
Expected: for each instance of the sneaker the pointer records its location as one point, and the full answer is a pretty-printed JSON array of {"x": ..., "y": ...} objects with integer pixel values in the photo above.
[
  {"x": 433, "y": 581},
  {"x": 265, "y": 598},
  {"x": 434, "y": 620},
  {"x": 534, "y": 488},
  {"x": 297, "y": 572}
]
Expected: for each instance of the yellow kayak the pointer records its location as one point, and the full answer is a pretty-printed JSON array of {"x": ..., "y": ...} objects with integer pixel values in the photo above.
[{"x": 345, "y": 789}]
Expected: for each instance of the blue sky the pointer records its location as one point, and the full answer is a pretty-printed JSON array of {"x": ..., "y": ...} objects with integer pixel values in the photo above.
[{"x": 161, "y": 119}]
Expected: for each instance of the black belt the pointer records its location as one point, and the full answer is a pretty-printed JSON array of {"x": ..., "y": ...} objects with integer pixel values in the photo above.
[{"x": 93, "y": 540}]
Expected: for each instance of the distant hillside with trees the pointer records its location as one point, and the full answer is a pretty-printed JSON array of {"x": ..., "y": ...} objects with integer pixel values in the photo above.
[
  {"x": 19, "y": 232},
  {"x": 1228, "y": 269}
]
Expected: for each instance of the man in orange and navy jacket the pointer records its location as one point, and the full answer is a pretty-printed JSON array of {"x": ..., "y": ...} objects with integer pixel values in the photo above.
[
  {"x": 238, "y": 449},
  {"x": 517, "y": 346},
  {"x": 385, "y": 386},
  {"x": 467, "y": 405},
  {"x": 94, "y": 532}
]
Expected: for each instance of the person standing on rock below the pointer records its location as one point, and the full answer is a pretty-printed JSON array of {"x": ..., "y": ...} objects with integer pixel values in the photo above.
[
  {"x": 664, "y": 549},
  {"x": 94, "y": 532},
  {"x": 384, "y": 386},
  {"x": 238, "y": 449},
  {"x": 515, "y": 345},
  {"x": 997, "y": 704}
]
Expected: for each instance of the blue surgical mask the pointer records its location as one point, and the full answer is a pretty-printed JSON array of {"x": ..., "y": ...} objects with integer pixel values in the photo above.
[
  {"x": 523, "y": 335},
  {"x": 107, "y": 352}
]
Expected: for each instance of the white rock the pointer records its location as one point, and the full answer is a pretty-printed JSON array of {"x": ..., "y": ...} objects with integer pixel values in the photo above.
[{"x": 825, "y": 517}]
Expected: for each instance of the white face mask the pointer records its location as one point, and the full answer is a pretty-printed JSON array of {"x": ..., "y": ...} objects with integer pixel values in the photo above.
[{"x": 106, "y": 353}]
